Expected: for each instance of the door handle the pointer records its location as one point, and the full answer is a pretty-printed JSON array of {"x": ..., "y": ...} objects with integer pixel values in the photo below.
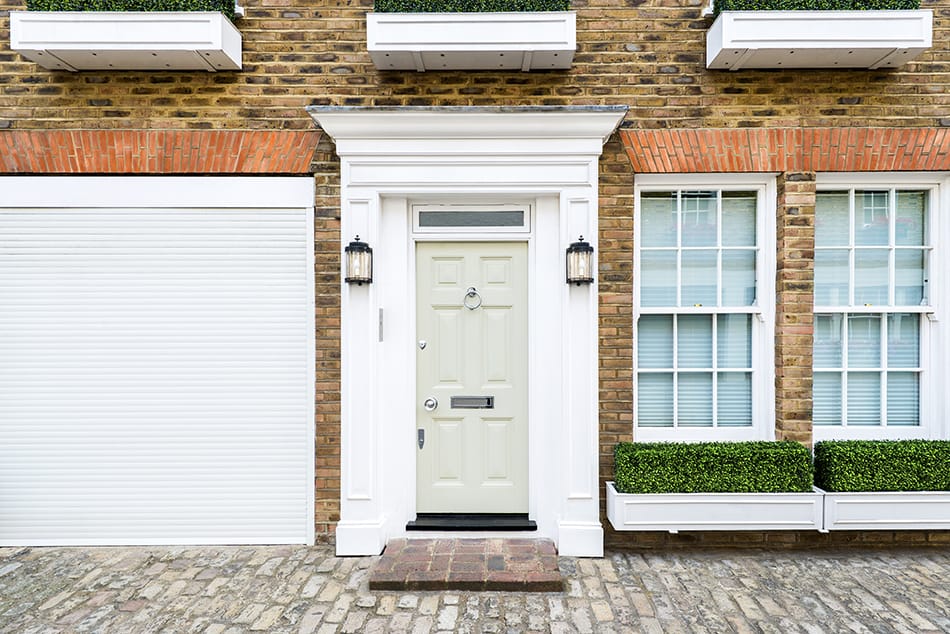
[{"x": 430, "y": 404}]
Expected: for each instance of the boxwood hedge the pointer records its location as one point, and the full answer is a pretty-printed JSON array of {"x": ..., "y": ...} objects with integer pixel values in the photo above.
[
  {"x": 468, "y": 6},
  {"x": 813, "y": 5},
  {"x": 224, "y": 6},
  {"x": 883, "y": 465},
  {"x": 712, "y": 467}
]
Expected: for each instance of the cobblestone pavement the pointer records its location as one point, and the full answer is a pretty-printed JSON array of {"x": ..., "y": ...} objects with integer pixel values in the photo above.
[{"x": 306, "y": 589}]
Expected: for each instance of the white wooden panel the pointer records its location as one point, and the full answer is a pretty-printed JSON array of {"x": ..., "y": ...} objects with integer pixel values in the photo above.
[
  {"x": 155, "y": 370},
  {"x": 498, "y": 450},
  {"x": 449, "y": 444},
  {"x": 497, "y": 348},
  {"x": 449, "y": 356}
]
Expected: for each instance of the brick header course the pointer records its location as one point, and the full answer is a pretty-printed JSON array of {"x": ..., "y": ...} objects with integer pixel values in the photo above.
[
  {"x": 788, "y": 150},
  {"x": 157, "y": 151}
]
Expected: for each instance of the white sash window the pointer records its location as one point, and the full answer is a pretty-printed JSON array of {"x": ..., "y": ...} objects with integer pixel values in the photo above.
[
  {"x": 704, "y": 298},
  {"x": 876, "y": 344}
]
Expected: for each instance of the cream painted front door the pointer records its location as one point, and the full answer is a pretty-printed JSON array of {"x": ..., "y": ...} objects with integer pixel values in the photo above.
[{"x": 472, "y": 377}]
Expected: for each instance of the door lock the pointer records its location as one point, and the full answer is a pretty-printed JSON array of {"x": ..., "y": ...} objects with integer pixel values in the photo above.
[
  {"x": 421, "y": 437},
  {"x": 430, "y": 404}
]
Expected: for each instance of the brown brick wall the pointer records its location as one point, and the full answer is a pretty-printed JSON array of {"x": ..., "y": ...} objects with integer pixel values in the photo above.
[
  {"x": 647, "y": 55},
  {"x": 794, "y": 299}
]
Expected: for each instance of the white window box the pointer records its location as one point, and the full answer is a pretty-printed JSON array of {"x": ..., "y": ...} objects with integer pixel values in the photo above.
[
  {"x": 817, "y": 39},
  {"x": 472, "y": 41},
  {"x": 674, "y": 512},
  {"x": 887, "y": 510},
  {"x": 126, "y": 40}
]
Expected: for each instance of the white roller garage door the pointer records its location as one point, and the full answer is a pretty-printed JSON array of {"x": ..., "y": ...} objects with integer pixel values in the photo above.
[{"x": 156, "y": 360}]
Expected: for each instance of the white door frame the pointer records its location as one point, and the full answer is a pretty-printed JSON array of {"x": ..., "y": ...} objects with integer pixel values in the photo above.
[{"x": 391, "y": 158}]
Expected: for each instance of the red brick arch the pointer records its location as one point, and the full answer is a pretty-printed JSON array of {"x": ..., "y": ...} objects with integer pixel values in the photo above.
[
  {"x": 788, "y": 150},
  {"x": 157, "y": 151}
]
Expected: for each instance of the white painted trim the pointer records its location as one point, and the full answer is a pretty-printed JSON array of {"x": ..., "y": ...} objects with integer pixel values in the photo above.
[
  {"x": 887, "y": 510},
  {"x": 763, "y": 354},
  {"x": 175, "y": 191},
  {"x": 580, "y": 539},
  {"x": 675, "y": 512},
  {"x": 391, "y": 159}
]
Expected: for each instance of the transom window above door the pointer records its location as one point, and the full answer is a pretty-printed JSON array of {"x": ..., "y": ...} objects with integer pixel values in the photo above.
[
  {"x": 472, "y": 218},
  {"x": 874, "y": 363},
  {"x": 704, "y": 269}
]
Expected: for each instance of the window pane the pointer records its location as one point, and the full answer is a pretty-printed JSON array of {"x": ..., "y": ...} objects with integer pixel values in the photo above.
[
  {"x": 827, "y": 353},
  {"x": 872, "y": 221},
  {"x": 471, "y": 218},
  {"x": 658, "y": 219},
  {"x": 738, "y": 278},
  {"x": 903, "y": 340},
  {"x": 738, "y": 219},
  {"x": 699, "y": 278},
  {"x": 735, "y": 399},
  {"x": 831, "y": 278},
  {"x": 903, "y": 398},
  {"x": 695, "y": 399},
  {"x": 911, "y": 218},
  {"x": 827, "y": 398},
  {"x": 734, "y": 341},
  {"x": 655, "y": 341},
  {"x": 658, "y": 278},
  {"x": 698, "y": 219},
  {"x": 909, "y": 277},
  {"x": 864, "y": 398},
  {"x": 655, "y": 400},
  {"x": 832, "y": 219},
  {"x": 870, "y": 277},
  {"x": 864, "y": 341},
  {"x": 694, "y": 339}
]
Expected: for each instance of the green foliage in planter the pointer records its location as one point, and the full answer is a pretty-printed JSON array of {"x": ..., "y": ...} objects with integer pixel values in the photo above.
[
  {"x": 712, "y": 467},
  {"x": 224, "y": 6},
  {"x": 883, "y": 465},
  {"x": 468, "y": 6},
  {"x": 814, "y": 5}
]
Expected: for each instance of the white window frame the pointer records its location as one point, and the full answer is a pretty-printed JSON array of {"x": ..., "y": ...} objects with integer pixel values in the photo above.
[
  {"x": 763, "y": 312},
  {"x": 933, "y": 338},
  {"x": 471, "y": 207}
]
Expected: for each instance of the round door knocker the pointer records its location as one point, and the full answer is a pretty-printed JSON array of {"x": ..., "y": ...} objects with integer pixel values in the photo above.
[{"x": 472, "y": 299}]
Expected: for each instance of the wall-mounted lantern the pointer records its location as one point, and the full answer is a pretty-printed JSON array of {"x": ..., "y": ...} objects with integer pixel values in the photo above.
[
  {"x": 580, "y": 262},
  {"x": 359, "y": 262}
]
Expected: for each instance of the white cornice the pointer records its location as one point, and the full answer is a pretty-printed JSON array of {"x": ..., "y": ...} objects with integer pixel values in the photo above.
[{"x": 588, "y": 123}]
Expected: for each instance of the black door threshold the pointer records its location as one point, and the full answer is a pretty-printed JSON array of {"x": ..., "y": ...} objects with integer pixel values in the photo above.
[{"x": 472, "y": 522}]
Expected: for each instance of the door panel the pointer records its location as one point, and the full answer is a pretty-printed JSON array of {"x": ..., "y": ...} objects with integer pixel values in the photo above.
[{"x": 474, "y": 460}]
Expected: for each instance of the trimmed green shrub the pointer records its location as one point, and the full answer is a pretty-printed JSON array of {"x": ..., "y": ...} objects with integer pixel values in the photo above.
[
  {"x": 224, "y": 6},
  {"x": 883, "y": 465},
  {"x": 713, "y": 467},
  {"x": 813, "y": 5},
  {"x": 468, "y": 6}
]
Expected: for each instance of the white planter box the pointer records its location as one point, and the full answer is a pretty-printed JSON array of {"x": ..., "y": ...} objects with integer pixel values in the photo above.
[
  {"x": 817, "y": 39},
  {"x": 676, "y": 512},
  {"x": 146, "y": 40},
  {"x": 887, "y": 510},
  {"x": 472, "y": 41}
]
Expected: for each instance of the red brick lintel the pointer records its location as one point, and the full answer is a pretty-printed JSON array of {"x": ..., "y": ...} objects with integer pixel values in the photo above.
[
  {"x": 788, "y": 150},
  {"x": 157, "y": 151}
]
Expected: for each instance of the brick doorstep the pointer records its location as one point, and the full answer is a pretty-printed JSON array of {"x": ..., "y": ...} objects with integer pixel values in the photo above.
[{"x": 520, "y": 565}]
